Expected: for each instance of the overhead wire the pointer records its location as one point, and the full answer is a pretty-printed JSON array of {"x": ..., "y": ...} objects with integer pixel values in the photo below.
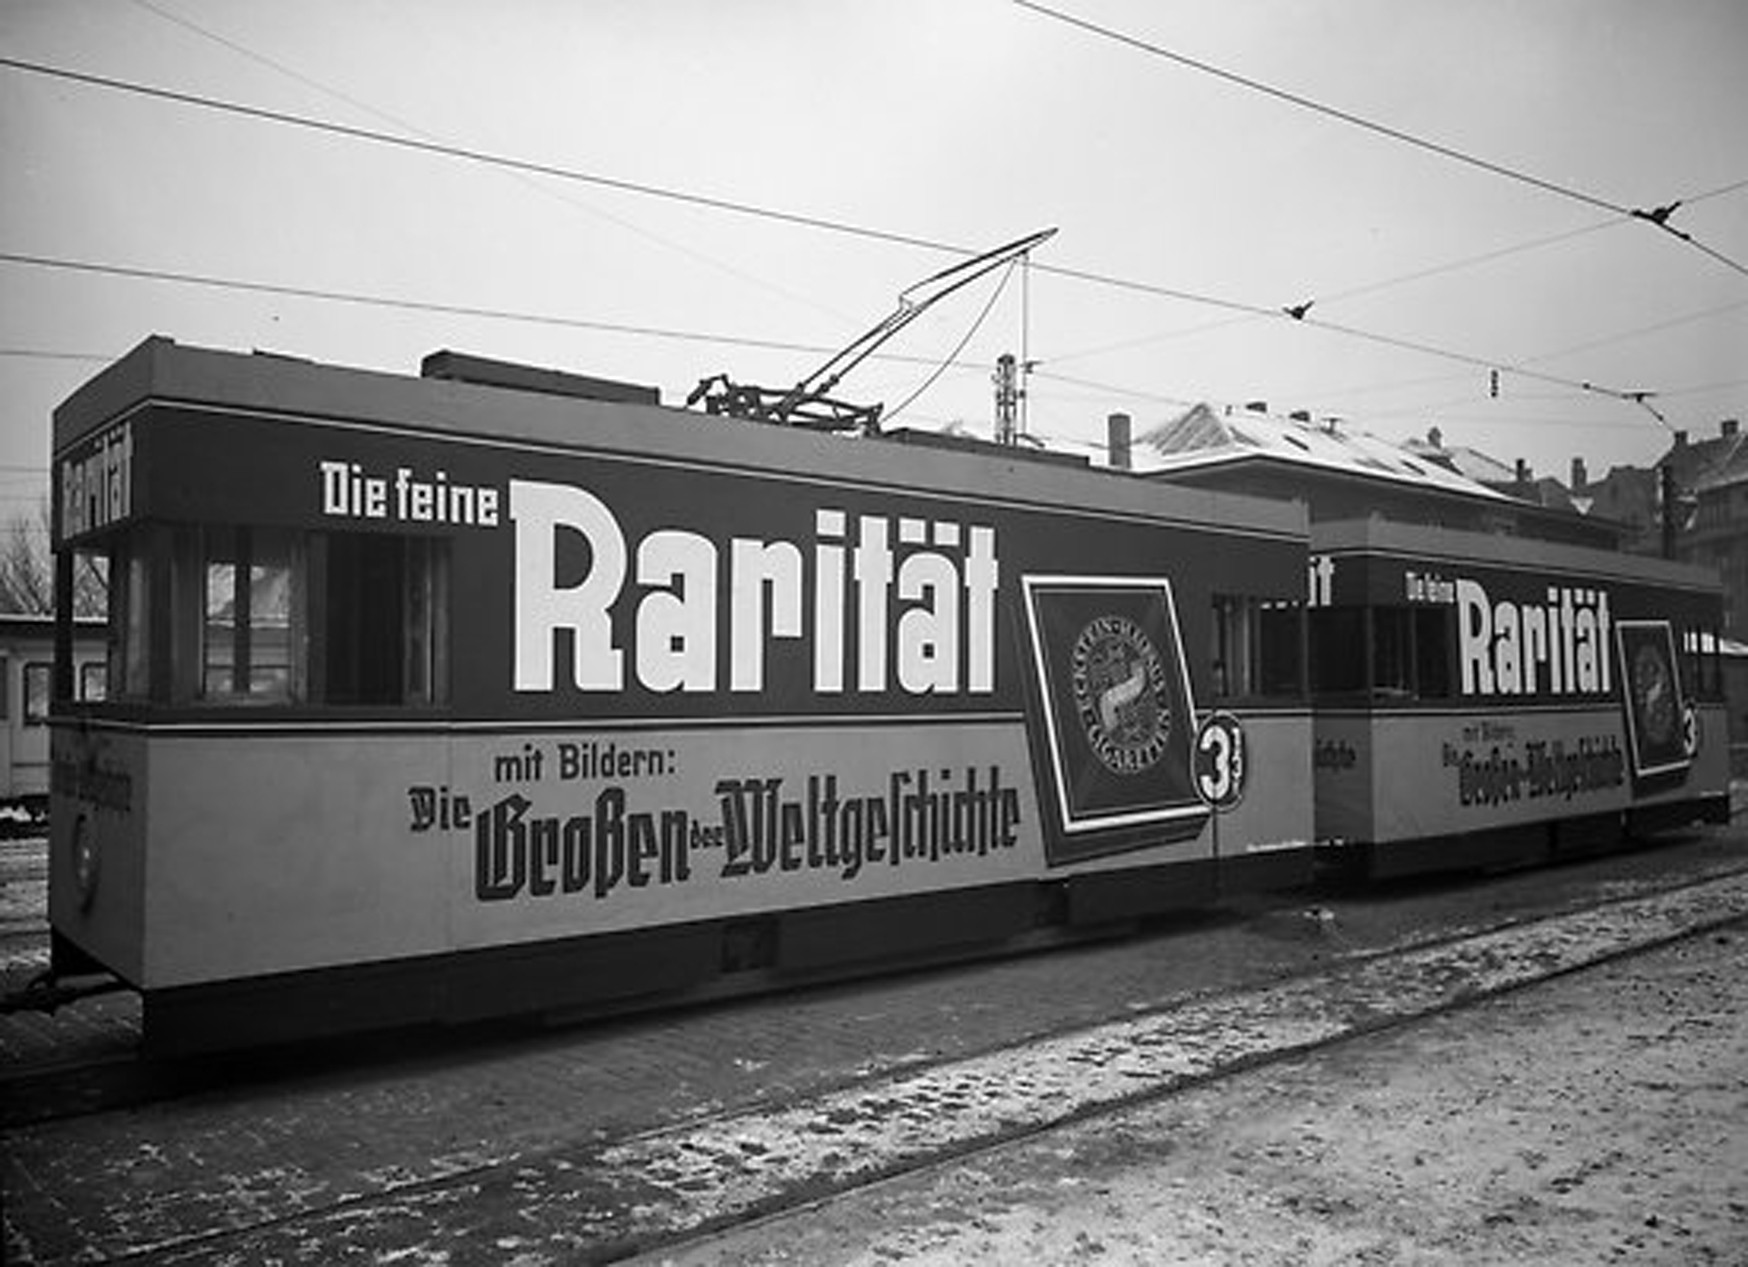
[
  {"x": 1657, "y": 327},
  {"x": 702, "y": 200},
  {"x": 1436, "y": 270},
  {"x": 213, "y": 282},
  {"x": 1658, "y": 216},
  {"x": 483, "y": 157},
  {"x": 1535, "y": 244},
  {"x": 940, "y": 367},
  {"x": 525, "y": 179},
  {"x": 693, "y": 336},
  {"x": 706, "y": 201},
  {"x": 46, "y": 354}
]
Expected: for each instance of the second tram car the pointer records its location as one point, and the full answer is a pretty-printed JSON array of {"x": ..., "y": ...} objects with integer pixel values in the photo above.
[
  {"x": 432, "y": 700},
  {"x": 27, "y": 661},
  {"x": 1485, "y": 699}
]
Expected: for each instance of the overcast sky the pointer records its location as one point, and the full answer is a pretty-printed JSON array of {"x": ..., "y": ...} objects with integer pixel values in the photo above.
[{"x": 1201, "y": 205}]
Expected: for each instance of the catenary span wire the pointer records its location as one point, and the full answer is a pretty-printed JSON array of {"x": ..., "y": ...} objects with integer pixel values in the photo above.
[
  {"x": 704, "y": 200},
  {"x": 722, "y": 204},
  {"x": 1355, "y": 292},
  {"x": 707, "y": 201},
  {"x": 693, "y": 336},
  {"x": 1519, "y": 249},
  {"x": 388, "y": 301},
  {"x": 1656, "y": 217},
  {"x": 1701, "y": 389},
  {"x": 482, "y": 157},
  {"x": 1389, "y": 283},
  {"x": 1334, "y": 112},
  {"x": 48, "y": 354},
  {"x": 1590, "y": 345},
  {"x": 1658, "y": 327},
  {"x": 522, "y": 178}
]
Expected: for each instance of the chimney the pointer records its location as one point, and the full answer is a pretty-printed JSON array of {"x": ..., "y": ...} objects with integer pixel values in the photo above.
[
  {"x": 1117, "y": 436},
  {"x": 1681, "y": 439},
  {"x": 1728, "y": 427},
  {"x": 1580, "y": 477},
  {"x": 1435, "y": 437},
  {"x": 1523, "y": 471}
]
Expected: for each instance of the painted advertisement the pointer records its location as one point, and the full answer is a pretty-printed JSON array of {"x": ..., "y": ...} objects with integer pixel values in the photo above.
[
  {"x": 1539, "y": 694},
  {"x": 1114, "y": 694},
  {"x": 1500, "y": 766},
  {"x": 679, "y": 690},
  {"x": 1488, "y": 771},
  {"x": 587, "y": 832}
]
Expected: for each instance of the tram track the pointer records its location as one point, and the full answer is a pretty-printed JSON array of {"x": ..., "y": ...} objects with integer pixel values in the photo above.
[
  {"x": 107, "y": 1071},
  {"x": 639, "y": 1190}
]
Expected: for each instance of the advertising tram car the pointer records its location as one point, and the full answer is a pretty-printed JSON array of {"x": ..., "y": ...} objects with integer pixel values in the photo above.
[
  {"x": 1484, "y": 699},
  {"x": 27, "y": 656},
  {"x": 436, "y": 699}
]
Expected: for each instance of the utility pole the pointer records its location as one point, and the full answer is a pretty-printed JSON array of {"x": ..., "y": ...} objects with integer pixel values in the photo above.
[{"x": 1006, "y": 397}]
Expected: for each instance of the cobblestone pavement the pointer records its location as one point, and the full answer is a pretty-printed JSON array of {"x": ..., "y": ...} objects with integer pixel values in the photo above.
[
  {"x": 1595, "y": 1117},
  {"x": 317, "y": 1152},
  {"x": 28, "y": 1038}
]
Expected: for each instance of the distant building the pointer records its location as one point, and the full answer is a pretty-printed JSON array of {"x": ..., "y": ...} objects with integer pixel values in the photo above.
[
  {"x": 1342, "y": 474},
  {"x": 1347, "y": 474},
  {"x": 1628, "y": 496},
  {"x": 1712, "y": 483}
]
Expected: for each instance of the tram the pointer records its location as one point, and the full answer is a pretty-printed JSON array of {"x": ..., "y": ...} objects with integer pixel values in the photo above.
[
  {"x": 27, "y": 653},
  {"x": 432, "y": 699},
  {"x": 1484, "y": 699}
]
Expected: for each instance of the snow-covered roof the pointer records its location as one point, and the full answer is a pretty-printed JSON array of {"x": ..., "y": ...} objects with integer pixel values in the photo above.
[{"x": 1202, "y": 438}]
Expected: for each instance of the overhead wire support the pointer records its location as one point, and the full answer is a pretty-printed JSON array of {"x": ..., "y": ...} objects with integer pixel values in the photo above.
[{"x": 809, "y": 402}]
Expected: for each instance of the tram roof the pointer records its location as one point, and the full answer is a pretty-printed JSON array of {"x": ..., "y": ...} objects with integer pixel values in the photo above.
[
  {"x": 1383, "y": 536},
  {"x": 161, "y": 371}
]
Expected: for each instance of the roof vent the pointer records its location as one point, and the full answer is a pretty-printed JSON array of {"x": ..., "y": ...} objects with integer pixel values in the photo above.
[{"x": 485, "y": 372}]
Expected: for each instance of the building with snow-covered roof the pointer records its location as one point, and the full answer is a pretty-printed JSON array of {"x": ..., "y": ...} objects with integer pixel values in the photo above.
[{"x": 1342, "y": 473}]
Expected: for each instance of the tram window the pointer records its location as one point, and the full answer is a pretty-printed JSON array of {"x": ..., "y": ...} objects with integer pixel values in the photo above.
[
  {"x": 38, "y": 676},
  {"x": 1232, "y": 651},
  {"x": 1338, "y": 640},
  {"x": 250, "y": 610},
  {"x": 1433, "y": 627},
  {"x": 130, "y": 624},
  {"x": 1702, "y": 669},
  {"x": 384, "y": 604},
  {"x": 1256, "y": 647},
  {"x": 1392, "y": 652},
  {"x": 1281, "y": 637},
  {"x": 1411, "y": 652}
]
